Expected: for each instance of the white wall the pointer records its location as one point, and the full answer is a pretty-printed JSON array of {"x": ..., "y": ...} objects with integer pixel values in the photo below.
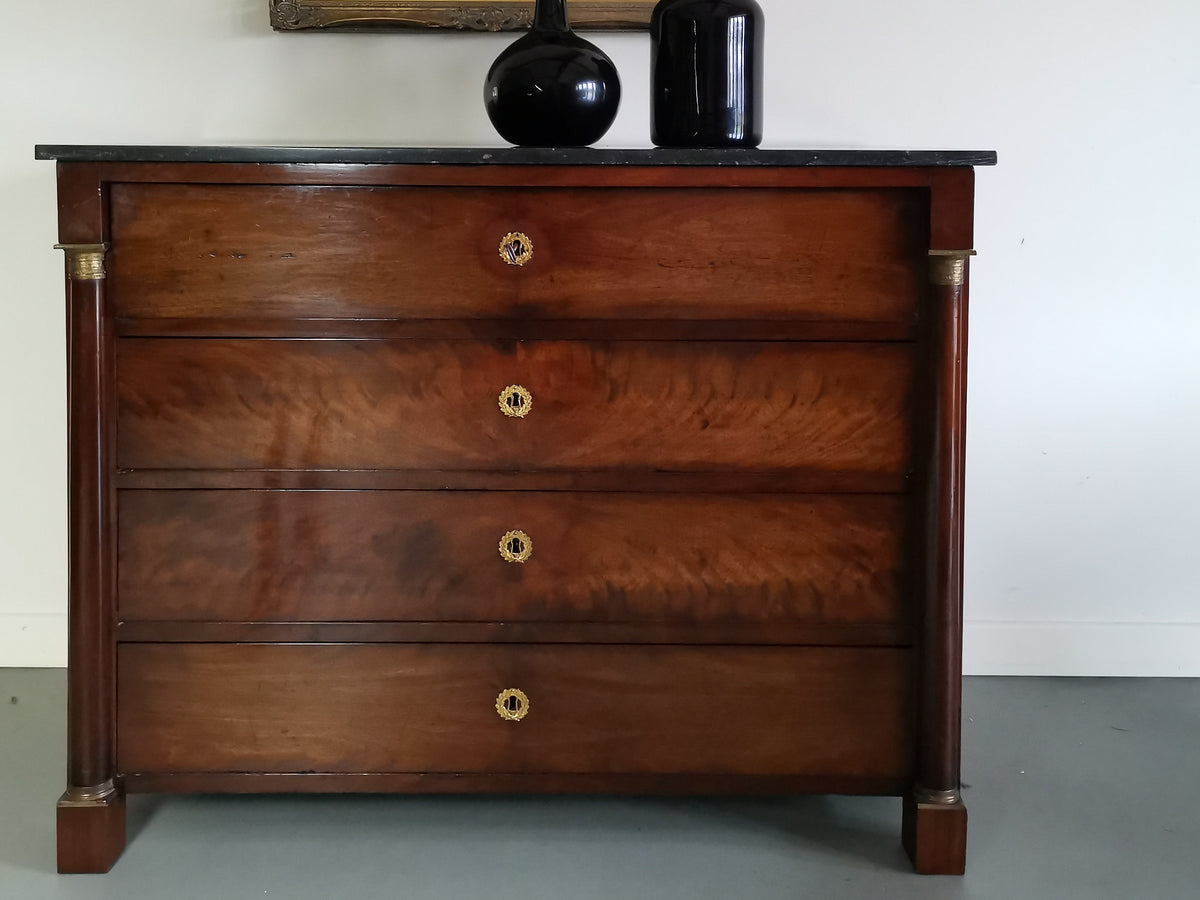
[{"x": 1084, "y": 438}]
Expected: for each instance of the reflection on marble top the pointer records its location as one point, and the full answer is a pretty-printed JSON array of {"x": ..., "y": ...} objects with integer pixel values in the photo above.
[{"x": 515, "y": 156}]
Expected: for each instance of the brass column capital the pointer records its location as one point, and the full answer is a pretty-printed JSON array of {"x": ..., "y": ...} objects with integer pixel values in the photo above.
[
  {"x": 85, "y": 261},
  {"x": 948, "y": 267}
]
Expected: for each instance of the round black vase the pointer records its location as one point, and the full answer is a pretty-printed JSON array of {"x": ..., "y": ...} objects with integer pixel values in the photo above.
[
  {"x": 706, "y": 73},
  {"x": 551, "y": 88}
]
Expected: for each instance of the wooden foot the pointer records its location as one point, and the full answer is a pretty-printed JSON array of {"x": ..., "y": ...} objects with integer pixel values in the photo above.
[
  {"x": 91, "y": 829},
  {"x": 935, "y": 835}
]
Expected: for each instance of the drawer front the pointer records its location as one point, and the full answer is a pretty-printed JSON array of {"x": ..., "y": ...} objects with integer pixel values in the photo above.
[
  {"x": 413, "y": 252},
  {"x": 311, "y": 556},
  {"x": 340, "y": 404},
  {"x": 432, "y": 708}
]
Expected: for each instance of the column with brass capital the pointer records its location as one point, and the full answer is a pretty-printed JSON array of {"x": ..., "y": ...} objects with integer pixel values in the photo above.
[
  {"x": 91, "y": 814},
  {"x": 935, "y": 819},
  {"x": 948, "y": 268},
  {"x": 85, "y": 262}
]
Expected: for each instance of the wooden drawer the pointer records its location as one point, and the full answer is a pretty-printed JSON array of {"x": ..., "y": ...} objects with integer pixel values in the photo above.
[
  {"x": 651, "y": 405},
  {"x": 310, "y": 556},
  {"x": 432, "y": 708},
  {"x": 280, "y": 252}
]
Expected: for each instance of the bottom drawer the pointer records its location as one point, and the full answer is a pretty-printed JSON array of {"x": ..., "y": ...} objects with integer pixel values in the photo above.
[{"x": 591, "y": 709}]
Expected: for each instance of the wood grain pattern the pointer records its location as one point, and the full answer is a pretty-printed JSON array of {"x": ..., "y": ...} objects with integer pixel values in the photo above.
[
  {"x": 935, "y": 837},
  {"x": 646, "y": 784},
  {"x": 344, "y": 252},
  {"x": 91, "y": 548},
  {"x": 311, "y": 556},
  {"x": 91, "y": 835},
  {"x": 289, "y": 380},
  {"x": 337, "y": 404},
  {"x": 504, "y": 176},
  {"x": 90, "y": 815},
  {"x": 943, "y": 418},
  {"x": 414, "y": 708}
]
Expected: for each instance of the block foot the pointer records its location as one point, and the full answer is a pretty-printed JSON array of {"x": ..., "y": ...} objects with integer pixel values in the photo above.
[
  {"x": 91, "y": 829},
  {"x": 935, "y": 832}
]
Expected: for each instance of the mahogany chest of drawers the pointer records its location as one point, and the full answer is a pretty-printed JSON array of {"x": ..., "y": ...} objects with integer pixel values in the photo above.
[{"x": 432, "y": 471}]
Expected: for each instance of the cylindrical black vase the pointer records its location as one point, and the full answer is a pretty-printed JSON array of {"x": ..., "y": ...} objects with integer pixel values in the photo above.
[
  {"x": 706, "y": 73},
  {"x": 551, "y": 88}
]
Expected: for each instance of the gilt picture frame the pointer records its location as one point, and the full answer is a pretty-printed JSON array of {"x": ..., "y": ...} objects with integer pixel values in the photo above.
[{"x": 482, "y": 15}]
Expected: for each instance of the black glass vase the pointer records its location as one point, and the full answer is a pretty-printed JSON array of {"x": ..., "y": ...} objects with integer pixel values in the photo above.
[
  {"x": 706, "y": 73},
  {"x": 551, "y": 88}
]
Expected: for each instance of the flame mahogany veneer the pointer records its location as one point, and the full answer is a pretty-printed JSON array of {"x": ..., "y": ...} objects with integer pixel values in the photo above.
[{"x": 739, "y": 483}]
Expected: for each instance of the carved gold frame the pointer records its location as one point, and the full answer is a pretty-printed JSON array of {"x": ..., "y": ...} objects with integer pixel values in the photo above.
[{"x": 481, "y": 15}]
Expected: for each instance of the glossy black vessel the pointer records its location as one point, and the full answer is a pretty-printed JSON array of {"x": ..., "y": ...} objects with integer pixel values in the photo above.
[
  {"x": 706, "y": 73},
  {"x": 551, "y": 88}
]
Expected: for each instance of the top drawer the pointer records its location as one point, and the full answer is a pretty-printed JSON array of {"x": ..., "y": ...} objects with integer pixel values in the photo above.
[{"x": 279, "y": 252}]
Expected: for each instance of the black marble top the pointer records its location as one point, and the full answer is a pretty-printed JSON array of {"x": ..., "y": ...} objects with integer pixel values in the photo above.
[{"x": 514, "y": 156}]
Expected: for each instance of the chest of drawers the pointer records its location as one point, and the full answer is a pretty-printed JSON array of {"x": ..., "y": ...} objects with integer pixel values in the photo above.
[{"x": 436, "y": 471}]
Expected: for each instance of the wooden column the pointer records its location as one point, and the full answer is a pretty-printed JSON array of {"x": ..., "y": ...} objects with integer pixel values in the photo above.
[
  {"x": 91, "y": 814},
  {"x": 935, "y": 819}
]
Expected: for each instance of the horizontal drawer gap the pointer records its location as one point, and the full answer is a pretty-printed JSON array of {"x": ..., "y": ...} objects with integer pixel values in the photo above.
[
  {"x": 522, "y": 329},
  {"x": 433, "y": 480},
  {"x": 746, "y": 633}
]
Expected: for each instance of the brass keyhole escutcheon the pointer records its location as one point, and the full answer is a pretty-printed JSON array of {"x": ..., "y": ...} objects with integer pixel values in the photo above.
[
  {"x": 516, "y": 249},
  {"x": 515, "y": 401},
  {"x": 512, "y": 704},
  {"x": 516, "y": 546}
]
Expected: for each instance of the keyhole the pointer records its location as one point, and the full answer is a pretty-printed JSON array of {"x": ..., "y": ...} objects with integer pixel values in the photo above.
[
  {"x": 515, "y": 546},
  {"x": 512, "y": 705},
  {"x": 514, "y": 401},
  {"x": 515, "y": 248}
]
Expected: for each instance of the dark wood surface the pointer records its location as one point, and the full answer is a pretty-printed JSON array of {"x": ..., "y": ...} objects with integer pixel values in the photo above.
[
  {"x": 687, "y": 253},
  {"x": 183, "y": 631},
  {"x": 652, "y": 784},
  {"x": 306, "y": 556},
  {"x": 524, "y": 329},
  {"x": 90, "y": 567},
  {"x": 506, "y": 176},
  {"x": 434, "y": 405},
  {"x": 935, "y": 837},
  {"x": 283, "y": 351},
  {"x": 944, "y": 446},
  {"x": 597, "y": 709},
  {"x": 90, "y": 815},
  {"x": 644, "y": 480},
  {"x": 90, "y": 835}
]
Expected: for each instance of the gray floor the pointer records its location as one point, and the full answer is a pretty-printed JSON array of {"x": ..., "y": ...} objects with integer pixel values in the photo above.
[{"x": 1079, "y": 788}]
